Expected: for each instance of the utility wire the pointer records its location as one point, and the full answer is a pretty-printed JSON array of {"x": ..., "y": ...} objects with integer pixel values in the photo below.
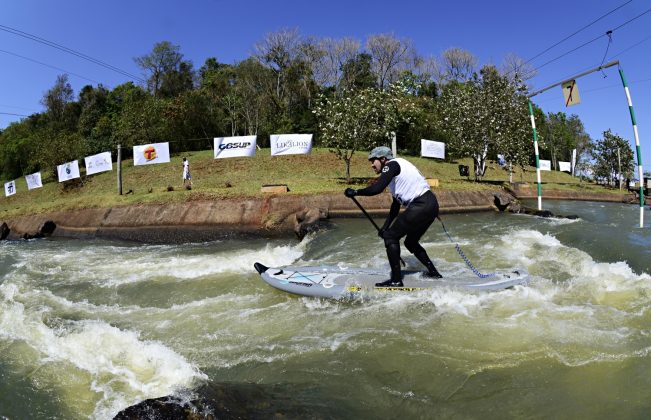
[
  {"x": 48, "y": 65},
  {"x": 570, "y": 36},
  {"x": 609, "y": 33},
  {"x": 69, "y": 51},
  {"x": 16, "y": 115}
]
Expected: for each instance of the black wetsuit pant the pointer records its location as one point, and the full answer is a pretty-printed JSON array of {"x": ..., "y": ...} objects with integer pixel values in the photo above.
[{"x": 411, "y": 224}]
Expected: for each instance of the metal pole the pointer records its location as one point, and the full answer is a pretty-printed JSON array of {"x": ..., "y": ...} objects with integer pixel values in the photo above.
[
  {"x": 605, "y": 66},
  {"x": 119, "y": 164},
  {"x": 535, "y": 146},
  {"x": 619, "y": 169},
  {"x": 637, "y": 145}
]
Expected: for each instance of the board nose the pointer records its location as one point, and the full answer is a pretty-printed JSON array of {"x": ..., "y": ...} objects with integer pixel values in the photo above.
[{"x": 260, "y": 268}]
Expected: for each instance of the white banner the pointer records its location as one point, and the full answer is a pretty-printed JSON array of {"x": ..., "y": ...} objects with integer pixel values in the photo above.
[
  {"x": 565, "y": 167},
  {"x": 227, "y": 147},
  {"x": 68, "y": 171},
  {"x": 291, "y": 144},
  {"x": 430, "y": 148},
  {"x": 10, "y": 188},
  {"x": 150, "y": 154},
  {"x": 33, "y": 180},
  {"x": 98, "y": 163},
  {"x": 545, "y": 165}
]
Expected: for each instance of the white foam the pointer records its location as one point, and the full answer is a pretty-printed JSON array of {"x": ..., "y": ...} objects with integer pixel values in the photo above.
[{"x": 123, "y": 368}]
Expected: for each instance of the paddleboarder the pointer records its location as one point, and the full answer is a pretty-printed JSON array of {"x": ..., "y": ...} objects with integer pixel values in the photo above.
[{"x": 409, "y": 189}]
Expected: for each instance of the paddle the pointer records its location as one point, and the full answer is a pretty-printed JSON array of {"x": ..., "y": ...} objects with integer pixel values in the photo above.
[{"x": 368, "y": 216}]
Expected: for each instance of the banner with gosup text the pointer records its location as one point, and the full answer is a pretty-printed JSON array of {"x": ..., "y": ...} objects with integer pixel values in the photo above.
[
  {"x": 227, "y": 147},
  {"x": 68, "y": 171},
  {"x": 33, "y": 180},
  {"x": 10, "y": 188},
  {"x": 431, "y": 148},
  {"x": 291, "y": 144},
  {"x": 150, "y": 154},
  {"x": 100, "y": 162}
]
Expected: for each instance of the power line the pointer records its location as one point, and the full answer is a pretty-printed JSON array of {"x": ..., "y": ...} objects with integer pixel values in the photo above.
[
  {"x": 16, "y": 115},
  {"x": 48, "y": 65},
  {"x": 585, "y": 27},
  {"x": 594, "y": 39},
  {"x": 69, "y": 51}
]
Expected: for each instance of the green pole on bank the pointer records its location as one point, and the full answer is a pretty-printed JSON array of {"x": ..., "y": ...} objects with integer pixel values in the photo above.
[
  {"x": 535, "y": 146},
  {"x": 637, "y": 145}
]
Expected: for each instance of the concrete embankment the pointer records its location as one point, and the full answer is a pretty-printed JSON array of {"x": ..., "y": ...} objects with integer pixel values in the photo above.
[{"x": 277, "y": 215}]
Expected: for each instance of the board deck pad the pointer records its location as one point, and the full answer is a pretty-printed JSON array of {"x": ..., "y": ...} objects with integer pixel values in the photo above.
[{"x": 338, "y": 282}]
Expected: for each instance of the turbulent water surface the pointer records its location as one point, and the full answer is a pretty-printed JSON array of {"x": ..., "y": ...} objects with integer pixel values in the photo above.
[{"x": 88, "y": 328}]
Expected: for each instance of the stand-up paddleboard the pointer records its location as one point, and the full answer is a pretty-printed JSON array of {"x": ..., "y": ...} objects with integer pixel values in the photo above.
[{"x": 336, "y": 282}]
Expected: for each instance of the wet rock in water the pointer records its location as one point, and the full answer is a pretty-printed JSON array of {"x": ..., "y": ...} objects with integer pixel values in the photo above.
[
  {"x": 226, "y": 401},
  {"x": 309, "y": 220},
  {"x": 502, "y": 201},
  {"x": 4, "y": 231},
  {"x": 44, "y": 231}
]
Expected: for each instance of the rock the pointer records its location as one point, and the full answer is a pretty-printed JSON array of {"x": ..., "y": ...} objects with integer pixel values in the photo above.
[
  {"x": 45, "y": 230},
  {"x": 4, "y": 231},
  {"x": 309, "y": 220},
  {"x": 502, "y": 201}
]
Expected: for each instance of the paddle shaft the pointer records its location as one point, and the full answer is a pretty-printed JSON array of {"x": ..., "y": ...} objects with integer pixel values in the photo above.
[{"x": 368, "y": 216}]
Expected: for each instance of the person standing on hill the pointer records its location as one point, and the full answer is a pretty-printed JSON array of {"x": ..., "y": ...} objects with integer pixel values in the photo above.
[
  {"x": 409, "y": 188},
  {"x": 187, "y": 178}
]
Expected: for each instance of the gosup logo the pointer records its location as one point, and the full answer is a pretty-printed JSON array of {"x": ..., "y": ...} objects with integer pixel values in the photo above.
[{"x": 242, "y": 145}]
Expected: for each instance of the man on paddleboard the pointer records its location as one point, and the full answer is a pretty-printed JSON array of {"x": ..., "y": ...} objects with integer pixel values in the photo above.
[{"x": 410, "y": 189}]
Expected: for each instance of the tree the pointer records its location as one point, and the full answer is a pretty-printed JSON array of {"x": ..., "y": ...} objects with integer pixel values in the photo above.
[
  {"x": 486, "y": 115},
  {"x": 608, "y": 152},
  {"x": 56, "y": 99},
  {"x": 357, "y": 74},
  {"x": 458, "y": 65},
  {"x": 158, "y": 65},
  {"x": 362, "y": 119},
  {"x": 389, "y": 56}
]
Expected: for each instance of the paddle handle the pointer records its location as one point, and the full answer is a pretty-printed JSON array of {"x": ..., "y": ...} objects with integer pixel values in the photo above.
[{"x": 368, "y": 216}]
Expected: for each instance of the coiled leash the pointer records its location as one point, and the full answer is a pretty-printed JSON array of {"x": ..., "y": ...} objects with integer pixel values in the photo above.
[{"x": 463, "y": 256}]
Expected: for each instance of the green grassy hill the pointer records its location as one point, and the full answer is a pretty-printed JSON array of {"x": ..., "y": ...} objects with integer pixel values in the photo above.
[{"x": 320, "y": 172}]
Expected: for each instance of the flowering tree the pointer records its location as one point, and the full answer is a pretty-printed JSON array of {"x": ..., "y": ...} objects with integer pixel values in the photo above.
[
  {"x": 362, "y": 119},
  {"x": 487, "y": 114}
]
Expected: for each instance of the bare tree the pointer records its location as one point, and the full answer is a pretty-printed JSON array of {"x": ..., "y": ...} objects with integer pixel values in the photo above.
[
  {"x": 337, "y": 52},
  {"x": 517, "y": 69},
  {"x": 164, "y": 58},
  {"x": 458, "y": 64},
  {"x": 390, "y": 56},
  {"x": 277, "y": 51}
]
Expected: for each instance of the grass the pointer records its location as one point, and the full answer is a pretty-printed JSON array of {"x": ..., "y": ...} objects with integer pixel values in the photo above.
[{"x": 213, "y": 179}]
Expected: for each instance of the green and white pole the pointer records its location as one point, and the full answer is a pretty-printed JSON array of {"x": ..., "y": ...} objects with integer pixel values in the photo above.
[
  {"x": 535, "y": 146},
  {"x": 637, "y": 146}
]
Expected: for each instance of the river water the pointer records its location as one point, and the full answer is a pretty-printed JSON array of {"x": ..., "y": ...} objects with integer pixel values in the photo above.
[{"x": 88, "y": 328}]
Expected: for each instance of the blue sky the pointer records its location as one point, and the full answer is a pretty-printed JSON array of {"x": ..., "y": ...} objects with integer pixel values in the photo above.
[{"x": 117, "y": 31}]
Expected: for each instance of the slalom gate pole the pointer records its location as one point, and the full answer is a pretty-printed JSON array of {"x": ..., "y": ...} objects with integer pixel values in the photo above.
[
  {"x": 368, "y": 216},
  {"x": 638, "y": 149},
  {"x": 535, "y": 146}
]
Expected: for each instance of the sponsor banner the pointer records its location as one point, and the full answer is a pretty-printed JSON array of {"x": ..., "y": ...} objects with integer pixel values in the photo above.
[
  {"x": 33, "y": 180},
  {"x": 431, "y": 148},
  {"x": 227, "y": 147},
  {"x": 149, "y": 154},
  {"x": 98, "y": 163},
  {"x": 68, "y": 171},
  {"x": 10, "y": 188},
  {"x": 545, "y": 165},
  {"x": 565, "y": 166},
  {"x": 291, "y": 144}
]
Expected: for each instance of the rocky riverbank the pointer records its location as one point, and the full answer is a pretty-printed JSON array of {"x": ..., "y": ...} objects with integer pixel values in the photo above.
[{"x": 274, "y": 215}]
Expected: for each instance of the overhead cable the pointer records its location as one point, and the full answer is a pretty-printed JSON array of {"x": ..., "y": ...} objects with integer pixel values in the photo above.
[
  {"x": 69, "y": 51},
  {"x": 48, "y": 65}
]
